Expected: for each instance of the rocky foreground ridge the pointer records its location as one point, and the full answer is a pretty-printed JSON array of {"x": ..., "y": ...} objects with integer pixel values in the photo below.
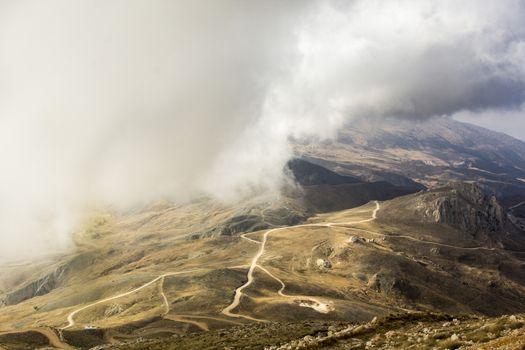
[{"x": 402, "y": 331}]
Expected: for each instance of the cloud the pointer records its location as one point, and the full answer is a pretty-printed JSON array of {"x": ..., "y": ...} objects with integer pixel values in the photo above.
[
  {"x": 122, "y": 102},
  {"x": 409, "y": 58}
]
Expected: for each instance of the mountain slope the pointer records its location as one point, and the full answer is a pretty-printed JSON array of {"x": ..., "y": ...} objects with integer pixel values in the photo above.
[
  {"x": 358, "y": 236},
  {"x": 322, "y": 190},
  {"x": 135, "y": 280},
  {"x": 403, "y": 331},
  {"x": 431, "y": 153}
]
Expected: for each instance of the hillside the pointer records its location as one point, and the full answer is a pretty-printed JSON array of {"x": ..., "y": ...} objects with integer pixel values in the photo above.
[
  {"x": 401, "y": 331},
  {"x": 130, "y": 279},
  {"x": 348, "y": 240},
  {"x": 262, "y": 175},
  {"x": 431, "y": 153}
]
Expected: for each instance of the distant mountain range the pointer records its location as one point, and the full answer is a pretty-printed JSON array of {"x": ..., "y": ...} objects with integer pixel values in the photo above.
[{"x": 431, "y": 153}]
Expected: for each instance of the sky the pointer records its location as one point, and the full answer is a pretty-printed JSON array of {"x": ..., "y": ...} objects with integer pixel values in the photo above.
[
  {"x": 510, "y": 122},
  {"x": 123, "y": 102}
]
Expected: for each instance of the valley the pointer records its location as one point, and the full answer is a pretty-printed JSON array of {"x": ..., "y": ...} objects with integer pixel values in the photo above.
[
  {"x": 262, "y": 175},
  {"x": 337, "y": 249},
  {"x": 346, "y": 265}
]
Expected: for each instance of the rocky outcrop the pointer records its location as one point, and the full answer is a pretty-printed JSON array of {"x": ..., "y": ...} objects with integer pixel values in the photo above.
[
  {"x": 464, "y": 206},
  {"x": 393, "y": 286},
  {"x": 113, "y": 309},
  {"x": 417, "y": 331},
  {"x": 36, "y": 288},
  {"x": 47, "y": 281}
]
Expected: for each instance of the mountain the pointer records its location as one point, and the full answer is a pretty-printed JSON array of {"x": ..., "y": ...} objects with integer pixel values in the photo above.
[
  {"x": 138, "y": 274},
  {"x": 414, "y": 226},
  {"x": 461, "y": 208},
  {"x": 309, "y": 174},
  {"x": 322, "y": 190},
  {"x": 431, "y": 153}
]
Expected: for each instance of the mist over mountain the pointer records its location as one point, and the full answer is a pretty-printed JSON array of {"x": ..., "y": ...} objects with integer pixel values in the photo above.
[
  {"x": 431, "y": 153},
  {"x": 122, "y": 103},
  {"x": 262, "y": 175}
]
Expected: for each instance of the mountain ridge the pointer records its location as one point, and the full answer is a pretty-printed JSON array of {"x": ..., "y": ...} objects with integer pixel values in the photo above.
[
  {"x": 430, "y": 153},
  {"x": 364, "y": 233}
]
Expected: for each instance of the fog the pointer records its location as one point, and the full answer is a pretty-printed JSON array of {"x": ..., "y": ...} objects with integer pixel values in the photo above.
[{"x": 123, "y": 102}]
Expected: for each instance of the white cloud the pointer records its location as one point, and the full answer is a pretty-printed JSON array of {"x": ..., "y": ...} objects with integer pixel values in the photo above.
[{"x": 122, "y": 102}]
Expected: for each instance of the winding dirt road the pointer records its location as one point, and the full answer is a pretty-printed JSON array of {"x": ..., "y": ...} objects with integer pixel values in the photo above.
[
  {"x": 178, "y": 318},
  {"x": 313, "y": 303},
  {"x": 420, "y": 240},
  {"x": 71, "y": 316},
  {"x": 238, "y": 292},
  {"x": 249, "y": 239},
  {"x": 316, "y": 304},
  {"x": 54, "y": 339}
]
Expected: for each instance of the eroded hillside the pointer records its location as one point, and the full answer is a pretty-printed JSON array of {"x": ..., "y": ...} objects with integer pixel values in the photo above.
[{"x": 148, "y": 274}]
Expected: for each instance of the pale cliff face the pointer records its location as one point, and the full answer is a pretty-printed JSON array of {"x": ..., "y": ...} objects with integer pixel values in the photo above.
[{"x": 470, "y": 210}]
